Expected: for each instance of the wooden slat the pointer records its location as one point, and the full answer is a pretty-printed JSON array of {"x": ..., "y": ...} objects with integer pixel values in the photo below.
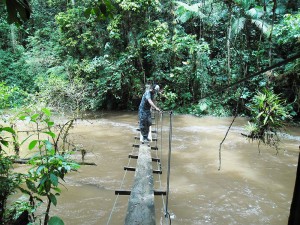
[
  {"x": 137, "y": 146},
  {"x": 155, "y": 160},
  {"x": 128, "y": 192},
  {"x": 132, "y": 156},
  {"x": 157, "y": 171},
  {"x": 138, "y": 138},
  {"x": 134, "y": 169},
  {"x": 129, "y": 168},
  {"x": 153, "y": 131},
  {"x": 136, "y": 157}
]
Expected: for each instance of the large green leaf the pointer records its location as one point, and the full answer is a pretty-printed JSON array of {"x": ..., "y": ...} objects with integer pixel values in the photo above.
[
  {"x": 55, "y": 220},
  {"x": 53, "y": 199},
  {"x": 8, "y": 129},
  {"x": 237, "y": 25},
  {"x": 50, "y": 133},
  {"x": 32, "y": 144},
  {"x": 46, "y": 111},
  {"x": 54, "y": 179}
]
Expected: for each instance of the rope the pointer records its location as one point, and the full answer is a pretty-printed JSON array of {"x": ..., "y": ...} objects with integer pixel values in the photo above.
[
  {"x": 117, "y": 197},
  {"x": 159, "y": 167},
  {"x": 160, "y": 164},
  {"x": 167, "y": 215}
]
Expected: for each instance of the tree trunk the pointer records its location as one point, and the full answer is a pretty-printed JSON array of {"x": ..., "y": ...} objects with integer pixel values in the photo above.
[
  {"x": 228, "y": 45},
  {"x": 294, "y": 218},
  {"x": 13, "y": 36}
]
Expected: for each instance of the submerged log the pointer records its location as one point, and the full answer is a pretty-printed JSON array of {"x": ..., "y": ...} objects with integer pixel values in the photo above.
[{"x": 24, "y": 161}]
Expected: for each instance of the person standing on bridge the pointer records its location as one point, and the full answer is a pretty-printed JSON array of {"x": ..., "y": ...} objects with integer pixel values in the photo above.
[{"x": 144, "y": 110}]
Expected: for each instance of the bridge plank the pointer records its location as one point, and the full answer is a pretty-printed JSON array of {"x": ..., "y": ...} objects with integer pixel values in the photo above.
[{"x": 141, "y": 208}]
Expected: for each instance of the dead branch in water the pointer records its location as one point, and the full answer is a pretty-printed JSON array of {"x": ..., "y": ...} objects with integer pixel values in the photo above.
[
  {"x": 236, "y": 114},
  {"x": 224, "y": 140}
]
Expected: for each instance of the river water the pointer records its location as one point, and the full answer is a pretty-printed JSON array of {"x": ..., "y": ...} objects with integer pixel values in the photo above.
[{"x": 251, "y": 187}]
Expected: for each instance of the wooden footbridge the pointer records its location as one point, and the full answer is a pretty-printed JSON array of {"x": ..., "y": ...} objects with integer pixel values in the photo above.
[{"x": 141, "y": 207}]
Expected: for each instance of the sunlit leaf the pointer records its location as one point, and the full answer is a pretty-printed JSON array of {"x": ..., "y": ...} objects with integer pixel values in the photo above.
[
  {"x": 8, "y": 129},
  {"x": 35, "y": 116},
  {"x": 50, "y": 123},
  {"x": 32, "y": 144},
  {"x": 50, "y": 133},
  {"x": 46, "y": 111}
]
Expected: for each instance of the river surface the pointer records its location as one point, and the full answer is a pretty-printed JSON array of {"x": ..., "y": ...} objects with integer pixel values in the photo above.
[{"x": 251, "y": 188}]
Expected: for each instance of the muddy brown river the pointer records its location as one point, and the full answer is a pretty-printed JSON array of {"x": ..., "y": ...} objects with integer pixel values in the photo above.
[{"x": 251, "y": 188}]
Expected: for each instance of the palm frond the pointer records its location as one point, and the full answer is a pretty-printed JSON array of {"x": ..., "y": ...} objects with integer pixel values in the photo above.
[
  {"x": 262, "y": 25},
  {"x": 186, "y": 12},
  {"x": 256, "y": 12}
]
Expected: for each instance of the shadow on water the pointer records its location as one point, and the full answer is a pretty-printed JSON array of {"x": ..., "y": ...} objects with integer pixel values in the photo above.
[{"x": 251, "y": 188}]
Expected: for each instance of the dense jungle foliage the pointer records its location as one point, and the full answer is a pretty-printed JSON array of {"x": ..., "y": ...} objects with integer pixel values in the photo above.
[{"x": 99, "y": 54}]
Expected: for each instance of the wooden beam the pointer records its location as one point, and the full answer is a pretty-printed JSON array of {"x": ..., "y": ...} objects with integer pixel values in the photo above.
[{"x": 141, "y": 208}]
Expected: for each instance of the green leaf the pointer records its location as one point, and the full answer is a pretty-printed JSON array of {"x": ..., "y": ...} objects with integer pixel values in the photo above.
[
  {"x": 31, "y": 185},
  {"x": 8, "y": 129},
  {"x": 266, "y": 119},
  {"x": 40, "y": 168},
  {"x": 53, "y": 199},
  {"x": 57, "y": 189},
  {"x": 44, "y": 179},
  {"x": 23, "y": 117},
  {"x": 87, "y": 12},
  {"x": 50, "y": 123},
  {"x": 54, "y": 179},
  {"x": 55, "y": 220},
  {"x": 5, "y": 143},
  {"x": 34, "y": 117},
  {"x": 32, "y": 144},
  {"x": 50, "y": 133},
  {"x": 46, "y": 111},
  {"x": 48, "y": 145}
]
